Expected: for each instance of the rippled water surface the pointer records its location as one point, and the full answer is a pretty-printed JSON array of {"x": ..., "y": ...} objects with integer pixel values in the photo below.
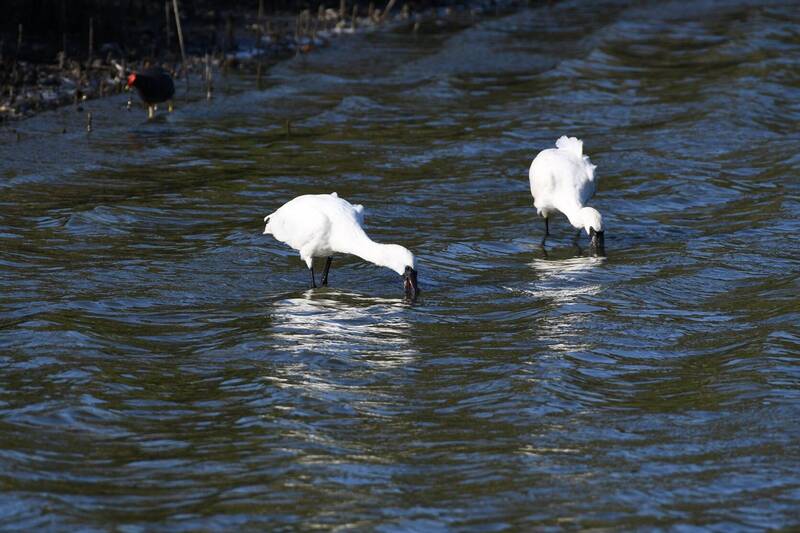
[{"x": 164, "y": 365}]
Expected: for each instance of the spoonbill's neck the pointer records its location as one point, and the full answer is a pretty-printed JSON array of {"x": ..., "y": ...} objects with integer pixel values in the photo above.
[
  {"x": 573, "y": 213},
  {"x": 584, "y": 218},
  {"x": 391, "y": 256}
]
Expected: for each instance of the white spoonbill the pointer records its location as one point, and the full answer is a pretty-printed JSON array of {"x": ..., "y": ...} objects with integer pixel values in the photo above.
[
  {"x": 319, "y": 225},
  {"x": 562, "y": 179}
]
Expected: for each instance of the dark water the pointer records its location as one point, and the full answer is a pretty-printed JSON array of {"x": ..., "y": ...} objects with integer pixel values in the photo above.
[{"x": 163, "y": 365}]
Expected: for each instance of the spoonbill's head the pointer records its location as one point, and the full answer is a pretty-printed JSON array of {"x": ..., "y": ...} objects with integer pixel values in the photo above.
[
  {"x": 401, "y": 260},
  {"x": 410, "y": 283},
  {"x": 597, "y": 240},
  {"x": 593, "y": 224}
]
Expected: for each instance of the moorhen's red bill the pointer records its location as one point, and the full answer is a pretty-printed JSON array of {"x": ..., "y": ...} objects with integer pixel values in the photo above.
[{"x": 154, "y": 85}]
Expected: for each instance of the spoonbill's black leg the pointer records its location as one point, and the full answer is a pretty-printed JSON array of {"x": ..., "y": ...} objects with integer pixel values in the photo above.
[
  {"x": 313, "y": 283},
  {"x": 325, "y": 272},
  {"x": 546, "y": 230},
  {"x": 576, "y": 242}
]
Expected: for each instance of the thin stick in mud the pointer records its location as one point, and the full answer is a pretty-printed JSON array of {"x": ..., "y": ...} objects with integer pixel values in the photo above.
[
  {"x": 168, "y": 25},
  {"x": 180, "y": 34},
  {"x": 91, "y": 42},
  {"x": 207, "y": 76},
  {"x": 386, "y": 10}
]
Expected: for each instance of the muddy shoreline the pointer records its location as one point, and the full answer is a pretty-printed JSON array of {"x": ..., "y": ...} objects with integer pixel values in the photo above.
[{"x": 214, "y": 40}]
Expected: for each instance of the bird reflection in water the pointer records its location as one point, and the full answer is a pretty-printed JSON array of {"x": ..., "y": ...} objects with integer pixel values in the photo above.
[
  {"x": 336, "y": 322},
  {"x": 343, "y": 326},
  {"x": 566, "y": 286},
  {"x": 340, "y": 348}
]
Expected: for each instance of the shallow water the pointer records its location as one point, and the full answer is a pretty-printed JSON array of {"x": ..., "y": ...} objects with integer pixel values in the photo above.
[{"x": 164, "y": 366}]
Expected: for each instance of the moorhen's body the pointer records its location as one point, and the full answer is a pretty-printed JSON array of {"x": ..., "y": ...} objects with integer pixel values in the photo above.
[{"x": 154, "y": 85}]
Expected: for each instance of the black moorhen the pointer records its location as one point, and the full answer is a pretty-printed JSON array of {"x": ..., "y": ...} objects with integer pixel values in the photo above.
[{"x": 154, "y": 85}]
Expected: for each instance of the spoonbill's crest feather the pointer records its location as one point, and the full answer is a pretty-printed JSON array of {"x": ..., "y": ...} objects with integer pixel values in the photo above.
[
  {"x": 570, "y": 144},
  {"x": 359, "y": 209}
]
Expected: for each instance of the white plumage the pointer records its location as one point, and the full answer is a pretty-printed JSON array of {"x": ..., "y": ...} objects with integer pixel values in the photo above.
[
  {"x": 319, "y": 225},
  {"x": 562, "y": 179}
]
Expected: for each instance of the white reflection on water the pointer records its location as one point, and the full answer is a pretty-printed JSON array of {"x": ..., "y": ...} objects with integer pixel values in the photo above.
[
  {"x": 342, "y": 351},
  {"x": 339, "y": 324},
  {"x": 563, "y": 281},
  {"x": 565, "y": 285}
]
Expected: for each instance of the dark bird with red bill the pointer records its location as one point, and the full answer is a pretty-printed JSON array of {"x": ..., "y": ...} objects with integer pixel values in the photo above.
[{"x": 155, "y": 86}]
